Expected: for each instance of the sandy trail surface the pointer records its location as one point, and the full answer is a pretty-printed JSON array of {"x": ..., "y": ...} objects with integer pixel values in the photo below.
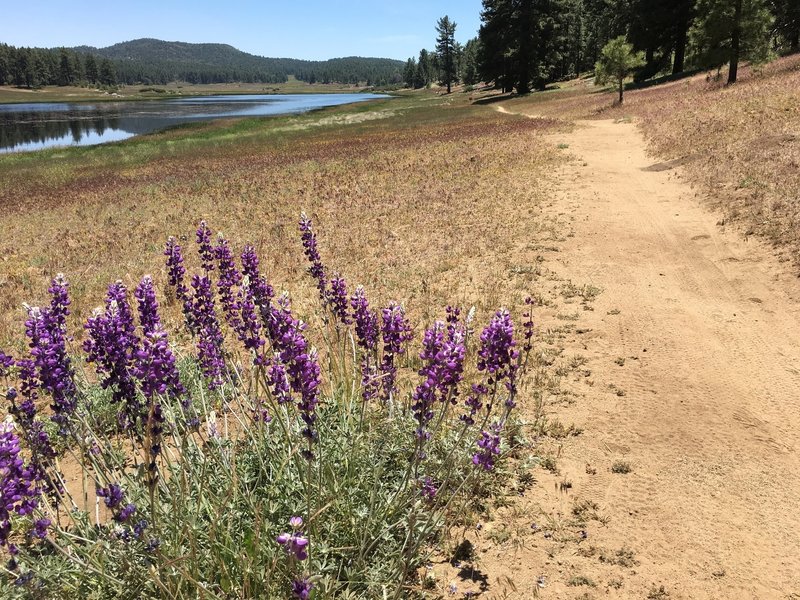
[{"x": 694, "y": 352}]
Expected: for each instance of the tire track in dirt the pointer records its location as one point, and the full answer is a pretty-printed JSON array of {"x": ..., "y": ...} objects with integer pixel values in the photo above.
[{"x": 706, "y": 406}]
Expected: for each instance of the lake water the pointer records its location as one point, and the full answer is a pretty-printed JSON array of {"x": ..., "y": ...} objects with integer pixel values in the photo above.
[{"x": 33, "y": 126}]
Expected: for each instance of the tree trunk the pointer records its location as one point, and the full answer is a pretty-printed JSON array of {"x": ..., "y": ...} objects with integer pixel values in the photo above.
[
  {"x": 621, "y": 88},
  {"x": 736, "y": 40},
  {"x": 680, "y": 53}
]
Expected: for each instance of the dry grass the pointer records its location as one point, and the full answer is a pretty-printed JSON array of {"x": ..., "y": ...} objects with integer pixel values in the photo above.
[
  {"x": 424, "y": 205},
  {"x": 739, "y": 144}
]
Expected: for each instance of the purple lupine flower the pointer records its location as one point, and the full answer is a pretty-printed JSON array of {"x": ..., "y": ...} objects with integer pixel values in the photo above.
[
  {"x": 175, "y": 274},
  {"x": 474, "y": 403},
  {"x": 366, "y": 321},
  {"x": 113, "y": 495},
  {"x": 139, "y": 528},
  {"x": 489, "y": 448},
  {"x": 261, "y": 289},
  {"x": 396, "y": 333},
  {"x": 316, "y": 269},
  {"x": 46, "y": 331},
  {"x": 204, "y": 247},
  {"x": 498, "y": 354},
  {"x": 209, "y": 343},
  {"x": 428, "y": 489},
  {"x": 155, "y": 368},
  {"x": 145, "y": 295},
  {"x": 40, "y": 527},
  {"x": 112, "y": 345},
  {"x": 6, "y": 362},
  {"x": 114, "y": 498},
  {"x": 304, "y": 369},
  {"x": 425, "y": 393},
  {"x": 278, "y": 381},
  {"x": 37, "y": 439},
  {"x": 229, "y": 278},
  {"x": 451, "y": 361},
  {"x": 294, "y": 543},
  {"x": 301, "y": 589},
  {"x": 126, "y": 513},
  {"x": 300, "y": 361},
  {"x": 249, "y": 331},
  {"x": 19, "y": 489},
  {"x": 337, "y": 299},
  {"x": 443, "y": 352}
]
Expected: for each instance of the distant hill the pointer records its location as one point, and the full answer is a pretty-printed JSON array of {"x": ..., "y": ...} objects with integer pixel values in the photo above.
[{"x": 149, "y": 61}]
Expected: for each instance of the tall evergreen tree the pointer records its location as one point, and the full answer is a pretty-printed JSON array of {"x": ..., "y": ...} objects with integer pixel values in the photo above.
[
  {"x": 787, "y": 23},
  {"x": 107, "y": 75},
  {"x": 728, "y": 31},
  {"x": 522, "y": 42},
  {"x": 65, "y": 71},
  {"x": 90, "y": 67},
  {"x": 409, "y": 72},
  {"x": 470, "y": 62},
  {"x": 446, "y": 50}
]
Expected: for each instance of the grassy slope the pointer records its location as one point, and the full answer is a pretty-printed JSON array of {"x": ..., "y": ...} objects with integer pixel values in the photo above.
[
  {"x": 740, "y": 145},
  {"x": 412, "y": 198}
]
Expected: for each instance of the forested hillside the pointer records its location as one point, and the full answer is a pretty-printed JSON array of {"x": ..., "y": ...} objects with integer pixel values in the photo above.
[
  {"x": 527, "y": 44},
  {"x": 149, "y": 61}
]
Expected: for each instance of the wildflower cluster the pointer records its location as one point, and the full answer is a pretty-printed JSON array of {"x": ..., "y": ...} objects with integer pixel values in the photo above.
[{"x": 361, "y": 457}]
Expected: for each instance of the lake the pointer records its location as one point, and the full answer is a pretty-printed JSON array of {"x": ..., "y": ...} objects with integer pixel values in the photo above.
[{"x": 34, "y": 126}]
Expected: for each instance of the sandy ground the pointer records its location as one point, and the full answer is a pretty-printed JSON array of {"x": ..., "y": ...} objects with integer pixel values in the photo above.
[{"x": 693, "y": 348}]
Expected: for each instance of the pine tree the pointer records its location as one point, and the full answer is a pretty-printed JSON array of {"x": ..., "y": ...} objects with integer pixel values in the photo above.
[
  {"x": 470, "y": 62},
  {"x": 65, "y": 72},
  {"x": 409, "y": 72},
  {"x": 727, "y": 31},
  {"x": 108, "y": 75},
  {"x": 90, "y": 67},
  {"x": 446, "y": 50},
  {"x": 617, "y": 61}
]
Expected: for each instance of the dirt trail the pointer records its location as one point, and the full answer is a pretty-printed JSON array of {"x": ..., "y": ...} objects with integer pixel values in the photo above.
[{"x": 706, "y": 407}]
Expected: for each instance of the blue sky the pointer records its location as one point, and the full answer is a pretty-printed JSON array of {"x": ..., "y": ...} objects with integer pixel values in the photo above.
[{"x": 309, "y": 29}]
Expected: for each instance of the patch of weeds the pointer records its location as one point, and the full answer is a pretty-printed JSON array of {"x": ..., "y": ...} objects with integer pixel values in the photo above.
[
  {"x": 549, "y": 462},
  {"x": 657, "y": 593},
  {"x": 585, "y": 510},
  {"x": 578, "y": 361},
  {"x": 621, "y": 467},
  {"x": 556, "y": 429},
  {"x": 614, "y": 311},
  {"x": 624, "y": 557},
  {"x": 620, "y": 361},
  {"x": 571, "y": 317},
  {"x": 562, "y": 146},
  {"x": 615, "y": 584},
  {"x": 587, "y": 551},
  {"x": 500, "y": 536},
  {"x": 580, "y": 580}
]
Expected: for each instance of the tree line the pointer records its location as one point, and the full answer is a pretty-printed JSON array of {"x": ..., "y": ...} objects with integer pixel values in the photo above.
[
  {"x": 524, "y": 45},
  {"x": 149, "y": 62}
]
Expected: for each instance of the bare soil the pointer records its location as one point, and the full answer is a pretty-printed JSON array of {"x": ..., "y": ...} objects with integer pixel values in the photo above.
[{"x": 691, "y": 383}]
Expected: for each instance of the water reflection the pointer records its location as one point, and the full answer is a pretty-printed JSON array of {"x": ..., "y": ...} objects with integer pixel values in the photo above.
[{"x": 25, "y": 127}]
